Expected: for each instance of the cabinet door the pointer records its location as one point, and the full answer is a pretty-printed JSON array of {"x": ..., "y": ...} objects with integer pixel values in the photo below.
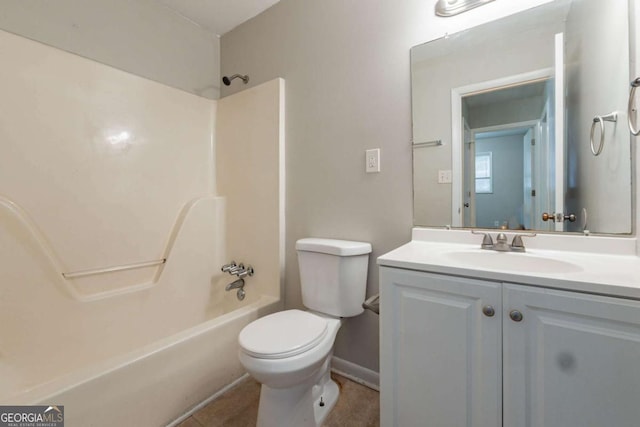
[
  {"x": 573, "y": 360},
  {"x": 440, "y": 355}
]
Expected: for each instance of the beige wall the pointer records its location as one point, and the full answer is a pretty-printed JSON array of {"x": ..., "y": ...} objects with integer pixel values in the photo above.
[
  {"x": 141, "y": 37},
  {"x": 346, "y": 64}
]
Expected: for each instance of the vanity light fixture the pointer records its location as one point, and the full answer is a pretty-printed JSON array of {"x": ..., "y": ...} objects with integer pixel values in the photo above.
[{"x": 453, "y": 7}]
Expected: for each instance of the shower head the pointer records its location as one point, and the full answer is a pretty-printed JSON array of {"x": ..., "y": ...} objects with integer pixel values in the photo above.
[{"x": 227, "y": 80}]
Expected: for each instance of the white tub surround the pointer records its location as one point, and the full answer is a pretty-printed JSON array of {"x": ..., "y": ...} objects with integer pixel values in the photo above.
[
  {"x": 113, "y": 233},
  {"x": 593, "y": 264},
  {"x": 250, "y": 174}
]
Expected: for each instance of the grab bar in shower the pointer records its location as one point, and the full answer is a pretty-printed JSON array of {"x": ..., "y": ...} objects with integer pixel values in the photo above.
[
  {"x": 79, "y": 290},
  {"x": 113, "y": 269}
]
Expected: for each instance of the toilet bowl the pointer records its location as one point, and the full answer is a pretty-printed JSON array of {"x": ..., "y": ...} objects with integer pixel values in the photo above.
[
  {"x": 289, "y": 352},
  {"x": 293, "y": 366}
]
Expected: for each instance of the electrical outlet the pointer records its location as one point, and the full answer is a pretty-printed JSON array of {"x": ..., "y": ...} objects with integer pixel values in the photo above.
[
  {"x": 444, "y": 177},
  {"x": 372, "y": 160}
]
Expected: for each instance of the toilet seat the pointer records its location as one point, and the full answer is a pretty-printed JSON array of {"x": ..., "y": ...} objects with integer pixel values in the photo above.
[{"x": 283, "y": 334}]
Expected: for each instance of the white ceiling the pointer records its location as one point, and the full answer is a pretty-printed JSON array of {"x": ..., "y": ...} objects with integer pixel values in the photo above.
[{"x": 218, "y": 16}]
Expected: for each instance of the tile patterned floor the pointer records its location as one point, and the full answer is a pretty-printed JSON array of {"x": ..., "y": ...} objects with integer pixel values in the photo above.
[{"x": 358, "y": 406}]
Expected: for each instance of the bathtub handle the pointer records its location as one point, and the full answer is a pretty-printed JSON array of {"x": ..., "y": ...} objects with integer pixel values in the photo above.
[
  {"x": 225, "y": 268},
  {"x": 245, "y": 271},
  {"x": 238, "y": 269},
  {"x": 235, "y": 270}
]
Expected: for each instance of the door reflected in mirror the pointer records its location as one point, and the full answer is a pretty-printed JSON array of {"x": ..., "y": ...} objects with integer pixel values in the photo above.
[{"x": 508, "y": 141}]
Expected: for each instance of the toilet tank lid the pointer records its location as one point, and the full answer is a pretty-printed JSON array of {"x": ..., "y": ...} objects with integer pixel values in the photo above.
[{"x": 333, "y": 246}]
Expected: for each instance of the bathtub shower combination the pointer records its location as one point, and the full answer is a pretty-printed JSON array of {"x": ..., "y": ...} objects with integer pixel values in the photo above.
[
  {"x": 112, "y": 301},
  {"x": 142, "y": 354}
]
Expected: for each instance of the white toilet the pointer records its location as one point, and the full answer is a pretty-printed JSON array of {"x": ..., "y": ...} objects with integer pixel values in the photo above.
[{"x": 289, "y": 352}]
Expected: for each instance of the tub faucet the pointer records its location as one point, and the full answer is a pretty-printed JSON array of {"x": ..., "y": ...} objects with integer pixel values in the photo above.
[{"x": 238, "y": 284}]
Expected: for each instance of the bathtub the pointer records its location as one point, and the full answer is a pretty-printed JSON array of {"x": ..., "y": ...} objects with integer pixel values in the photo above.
[
  {"x": 117, "y": 350},
  {"x": 152, "y": 385}
]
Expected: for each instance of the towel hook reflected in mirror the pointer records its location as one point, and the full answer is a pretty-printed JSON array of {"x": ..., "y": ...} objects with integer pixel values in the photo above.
[
  {"x": 611, "y": 117},
  {"x": 631, "y": 112}
]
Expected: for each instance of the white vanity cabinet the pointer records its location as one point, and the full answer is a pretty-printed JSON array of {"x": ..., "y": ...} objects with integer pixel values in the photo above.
[
  {"x": 572, "y": 361},
  {"x": 463, "y": 352},
  {"x": 440, "y": 355}
]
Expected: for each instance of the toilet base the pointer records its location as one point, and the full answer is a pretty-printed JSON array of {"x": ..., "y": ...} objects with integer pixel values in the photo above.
[
  {"x": 329, "y": 399},
  {"x": 305, "y": 405}
]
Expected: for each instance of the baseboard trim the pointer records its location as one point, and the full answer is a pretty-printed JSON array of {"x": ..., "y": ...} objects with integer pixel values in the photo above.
[
  {"x": 205, "y": 402},
  {"x": 357, "y": 373},
  {"x": 354, "y": 372}
]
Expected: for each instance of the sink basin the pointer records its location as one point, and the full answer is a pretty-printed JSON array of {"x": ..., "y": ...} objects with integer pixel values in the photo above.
[{"x": 510, "y": 261}]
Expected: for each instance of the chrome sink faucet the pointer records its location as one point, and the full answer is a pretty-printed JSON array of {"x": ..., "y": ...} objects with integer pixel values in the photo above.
[{"x": 501, "y": 244}]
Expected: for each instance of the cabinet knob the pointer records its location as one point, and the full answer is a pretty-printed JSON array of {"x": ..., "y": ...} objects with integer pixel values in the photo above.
[
  {"x": 516, "y": 316},
  {"x": 488, "y": 311}
]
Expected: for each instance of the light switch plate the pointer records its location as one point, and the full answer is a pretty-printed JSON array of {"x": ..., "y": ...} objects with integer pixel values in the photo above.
[
  {"x": 372, "y": 160},
  {"x": 444, "y": 177}
]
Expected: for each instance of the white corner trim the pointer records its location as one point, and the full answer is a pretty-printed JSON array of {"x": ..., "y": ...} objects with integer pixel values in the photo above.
[{"x": 357, "y": 373}]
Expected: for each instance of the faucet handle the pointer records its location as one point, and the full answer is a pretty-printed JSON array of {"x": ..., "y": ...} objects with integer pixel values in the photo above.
[
  {"x": 248, "y": 271},
  {"x": 225, "y": 268},
  {"x": 236, "y": 269},
  {"x": 517, "y": 245},
  {"x": 487, "y": 241}
]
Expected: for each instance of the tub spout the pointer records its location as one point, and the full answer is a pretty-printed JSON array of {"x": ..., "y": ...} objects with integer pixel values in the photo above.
[{"x": 238, "y": 284}]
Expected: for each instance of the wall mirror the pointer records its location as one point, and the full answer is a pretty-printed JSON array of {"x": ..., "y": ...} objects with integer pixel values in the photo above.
[{"x": 508, "y": 118}]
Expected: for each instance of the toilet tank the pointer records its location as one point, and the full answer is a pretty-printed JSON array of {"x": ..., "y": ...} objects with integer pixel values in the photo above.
[{"x": 333, "y": 275}]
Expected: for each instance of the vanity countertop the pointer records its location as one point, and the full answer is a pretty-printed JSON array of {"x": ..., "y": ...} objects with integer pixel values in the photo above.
[{"x": 593, "y": 264}]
